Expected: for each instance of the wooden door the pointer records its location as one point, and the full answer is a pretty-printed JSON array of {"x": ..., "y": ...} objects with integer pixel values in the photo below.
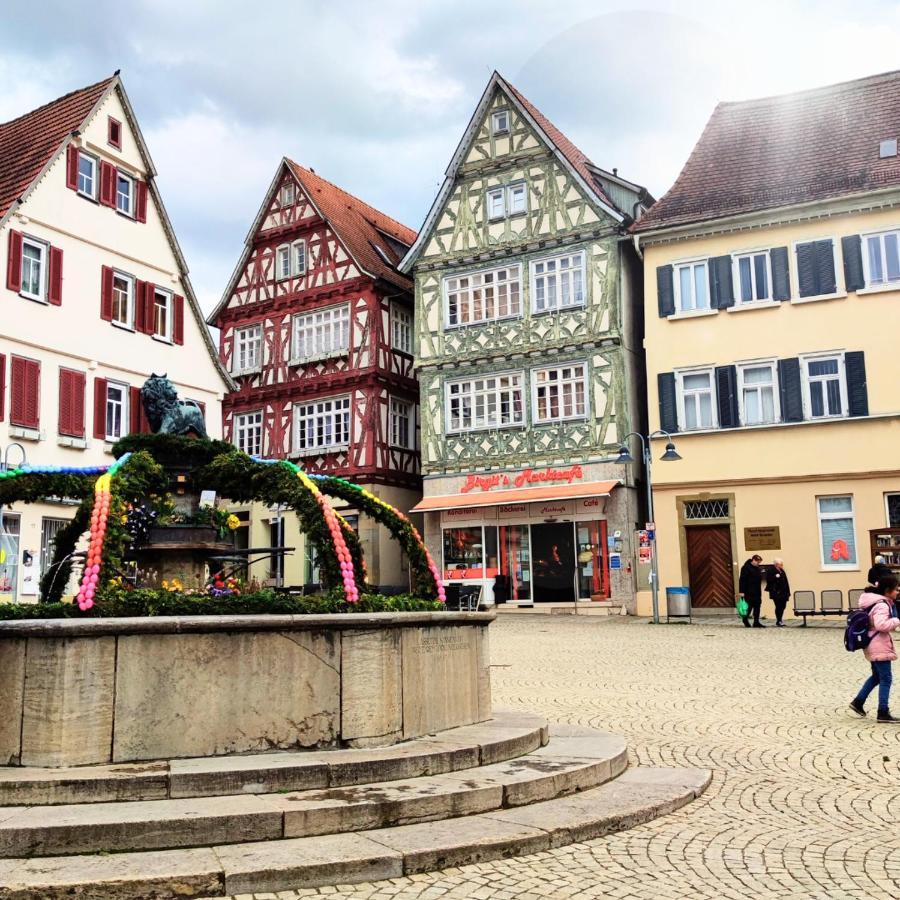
[{"x": 710, "y": 569}]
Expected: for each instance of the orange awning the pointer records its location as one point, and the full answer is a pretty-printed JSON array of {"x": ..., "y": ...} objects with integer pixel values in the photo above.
[{"x": 519, "y": 495}]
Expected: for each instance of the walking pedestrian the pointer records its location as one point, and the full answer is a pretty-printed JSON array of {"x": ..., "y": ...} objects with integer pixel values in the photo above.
[
  {"x": 880, "y": 653},
  {"x": 750, "y": 586},
  {"x": 878, "y": 571},
  {"x": 778, "y": 588}
]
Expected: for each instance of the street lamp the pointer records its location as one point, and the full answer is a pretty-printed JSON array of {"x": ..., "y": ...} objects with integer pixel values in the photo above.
[{"x": 669, "y": 455}]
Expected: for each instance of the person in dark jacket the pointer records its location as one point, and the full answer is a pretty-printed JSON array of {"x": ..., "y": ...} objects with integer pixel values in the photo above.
[
  {"x": 878, "y": 571},
  {"x": 778, "y": 589},
  {"x": 750, "y": 586}
]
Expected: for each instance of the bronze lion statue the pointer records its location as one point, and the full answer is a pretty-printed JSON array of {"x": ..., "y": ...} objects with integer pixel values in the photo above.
[{"x": 166, "y": 413}]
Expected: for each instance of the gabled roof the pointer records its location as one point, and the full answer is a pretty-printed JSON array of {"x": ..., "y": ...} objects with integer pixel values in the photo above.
[
  {"x": 375, "y": 241},
  {"x": 808, "y": 146},
  {"x": 368, "y": 234},
  {"x": 568, "y": 154},
  {"x": 28, "y": 143}
]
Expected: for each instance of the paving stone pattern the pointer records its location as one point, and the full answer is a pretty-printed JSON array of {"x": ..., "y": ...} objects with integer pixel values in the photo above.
[{"x": 805, "y": 799}]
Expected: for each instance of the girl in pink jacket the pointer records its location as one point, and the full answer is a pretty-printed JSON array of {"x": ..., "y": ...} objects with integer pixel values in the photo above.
[{"x": 880, "y": 653}]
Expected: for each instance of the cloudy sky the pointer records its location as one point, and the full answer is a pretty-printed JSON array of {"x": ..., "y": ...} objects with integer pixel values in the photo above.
[{"x": 375, "y": 95}]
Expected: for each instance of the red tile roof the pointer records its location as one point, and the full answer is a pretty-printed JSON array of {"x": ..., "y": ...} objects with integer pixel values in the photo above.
[
  {"x": 779, "y": 151},
  {"x": 579, "y": 162},
  {"x": 27, "y": 143},
  {"x": 360, "y": 227}
]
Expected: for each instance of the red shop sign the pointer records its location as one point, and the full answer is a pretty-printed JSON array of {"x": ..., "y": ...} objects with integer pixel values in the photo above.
[{"x": 524, "y": 478}]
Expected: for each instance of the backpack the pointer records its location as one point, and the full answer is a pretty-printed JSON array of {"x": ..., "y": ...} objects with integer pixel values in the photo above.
[{"x": 856, "y": 634}]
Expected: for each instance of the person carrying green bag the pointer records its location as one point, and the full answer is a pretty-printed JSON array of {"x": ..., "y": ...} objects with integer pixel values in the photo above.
[{"x": 750, "y": 586}]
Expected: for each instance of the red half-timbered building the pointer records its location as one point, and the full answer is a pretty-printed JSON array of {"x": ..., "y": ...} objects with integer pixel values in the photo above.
[{"x": 316, "y": 327}]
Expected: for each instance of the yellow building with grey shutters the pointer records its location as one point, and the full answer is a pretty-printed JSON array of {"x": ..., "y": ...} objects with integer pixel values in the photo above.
[{"x": 772, "y": 324}]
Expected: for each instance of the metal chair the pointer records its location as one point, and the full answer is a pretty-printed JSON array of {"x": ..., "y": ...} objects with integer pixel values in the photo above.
[
  {"x": 832, "y": 602},
  {"x": 853, "y": 597},
  {"x": 469, "y": 598},
  {"x": 804, "y": 604}
]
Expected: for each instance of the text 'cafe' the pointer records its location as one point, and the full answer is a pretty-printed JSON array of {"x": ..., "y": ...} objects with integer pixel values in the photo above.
[{"x": 534, "y": 535}]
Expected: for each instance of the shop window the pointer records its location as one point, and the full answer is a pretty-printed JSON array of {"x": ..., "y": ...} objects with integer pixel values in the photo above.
[
  {"x": 837, "y": 532},
  {"x": 513, "y": 581},
  {"x": 9, "y": 553},
  {"x": 592, "y": 560}
]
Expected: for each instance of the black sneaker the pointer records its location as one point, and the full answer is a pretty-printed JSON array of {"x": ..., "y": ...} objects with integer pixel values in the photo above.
[
  {"x": 884, "y": 715},
  {"x": 758, "y": 625},
  {"x": 857, "y": 707},
  {"x": 779, "y": 624},
  {"x": 746, "y": 623}
]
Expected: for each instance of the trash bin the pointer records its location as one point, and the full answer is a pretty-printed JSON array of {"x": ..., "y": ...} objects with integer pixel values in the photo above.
[{"x": 678, "y": 603}]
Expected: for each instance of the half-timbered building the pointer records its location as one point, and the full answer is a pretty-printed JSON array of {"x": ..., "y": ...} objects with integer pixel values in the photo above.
[
  {"x": 316, "y": 327},
  {"x": 528, "y": 352}
]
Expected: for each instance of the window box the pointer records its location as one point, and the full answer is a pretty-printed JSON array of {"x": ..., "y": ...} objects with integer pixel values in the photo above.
[
  {"x": 75, "y": 443},
  {"x": 26, "y": 434}
]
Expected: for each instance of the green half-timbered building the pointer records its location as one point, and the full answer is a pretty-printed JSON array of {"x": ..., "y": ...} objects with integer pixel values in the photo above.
[{"x": 528, "y": 353}]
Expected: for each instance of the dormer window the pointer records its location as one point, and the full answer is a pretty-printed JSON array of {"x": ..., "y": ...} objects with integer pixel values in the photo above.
[
  {"x": 114, "y": 133},
  {"x": 500, "y": 122},
  {"x": 287, "y": 193}
]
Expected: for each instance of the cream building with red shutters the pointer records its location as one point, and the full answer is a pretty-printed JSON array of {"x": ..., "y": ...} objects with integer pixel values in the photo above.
[{"x": 95, "y": 297}]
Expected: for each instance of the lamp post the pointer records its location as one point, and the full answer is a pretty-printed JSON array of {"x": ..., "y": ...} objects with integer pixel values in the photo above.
[{"x": 670, "y": 455}]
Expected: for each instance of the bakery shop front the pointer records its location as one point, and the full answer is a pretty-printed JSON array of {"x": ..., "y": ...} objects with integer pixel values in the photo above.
[{"x": 541, "y": 535}]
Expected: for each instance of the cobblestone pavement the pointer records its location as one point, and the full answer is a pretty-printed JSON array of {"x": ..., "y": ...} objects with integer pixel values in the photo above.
[{"x": 803, "y": 793}]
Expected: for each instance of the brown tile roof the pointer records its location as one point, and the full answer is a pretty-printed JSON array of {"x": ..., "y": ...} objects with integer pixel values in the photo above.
[
  {"x": 779, "y": 151},
  {"x": 362, "y": 228},
  {"x": 27, "y": 143},
  {"x": 576, "y": 158}
]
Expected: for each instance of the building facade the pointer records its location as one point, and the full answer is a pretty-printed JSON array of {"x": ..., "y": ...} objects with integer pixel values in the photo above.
[
  {"x": 97, "y": 297},
  {"x": 528, "y": 352},
  {"x": 316, "y": 327},
  {"x": 772, "y": 272}
]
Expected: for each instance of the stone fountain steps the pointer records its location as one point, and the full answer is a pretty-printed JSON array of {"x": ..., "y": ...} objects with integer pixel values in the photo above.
[
  {"x": 506, "y": 736},
  {"x": 637, "y": 796},
  {"x": 567, "y": 765}
]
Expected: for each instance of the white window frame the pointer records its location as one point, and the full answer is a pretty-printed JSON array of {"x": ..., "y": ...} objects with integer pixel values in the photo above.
[
  {"x": 402, "y": 320},
  {"x": 680, "y": 397},
  {"x": 129, "y": 210},
  {"x": 490, "y": 195},
  {"x": 95, "y": 171},
  {"x": 495, "y": 118},
  {"x": 805, "y": 359},
  {"x": 312, "y": 326},
  {"x": 676, "y": 278},
  {"x": 298, "y": 256},
  {"x": 513, "y": 276},
  {"x": 241, "y": 337},
  {"x": 167, "y": 334},
  {"x": 287, "y": 195},
  {"x": 736, "y": 276},
  {"x": 129, "y": 299},
  {"x": 303, "y": 411},
  {"x": 865, "y": 237},
  {"x": 491, "y": 426},
  {"x": 123, "y": 424},
  {"x": 43, "y": 265},
  {"x": 820, "y": 516},
  {"x": 510, "y": 189},
  {"x": 399, "y": 409},
  {"x": 282, "y": 274},
  {"x": 561, "y": 383},
  {"x": 839, "y": 284},
  {"x": 557, "y": 305},
  {"x": 772, "y": 365},
  {"x": 243, "y": 428}
]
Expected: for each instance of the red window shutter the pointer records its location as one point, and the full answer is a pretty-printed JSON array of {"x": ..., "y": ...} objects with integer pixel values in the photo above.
[
  {"x": 178, "y": 320},
  {"x": 106, "y": 292},
  {"x": 140, "y": 307},
  {"x": 2, "y": 386},
  {"x": 25, "y": 392},
  {"x": 33, "y": 394},
  {"x": 17, "y": 390},
  {"x": 134, "y": 410},
  {"x": 140, "y": 206},
  {"x": 71, "y": 403},
  {"x": 79, "y": 381},
  {"x": 100, "y": 408},
  {"x": 54, "y": 293},
  {"x": 72, "y": 167},
  {"x": 14, "y": 262},
  {"x": 65, "y": 402},
  {"x": 107, "y": 183},
  {"x": 149, "y": 294}
]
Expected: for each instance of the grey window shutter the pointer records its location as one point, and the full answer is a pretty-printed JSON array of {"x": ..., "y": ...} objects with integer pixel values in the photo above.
[
  {"x": 720, "y": 282},
  {"x": 807, "y": 279},
  {"x": 791, "y": 390},
  {"x": 781, "y": 279},
  {"x": 665, "y": 290},
  {"x": 827, "y": 283},
  {"x": 668, "y": 402},
  {"x": 857, "y": 393},
  {"x": 726, "y": 397},
  {"x": 851, "y": 250}
]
